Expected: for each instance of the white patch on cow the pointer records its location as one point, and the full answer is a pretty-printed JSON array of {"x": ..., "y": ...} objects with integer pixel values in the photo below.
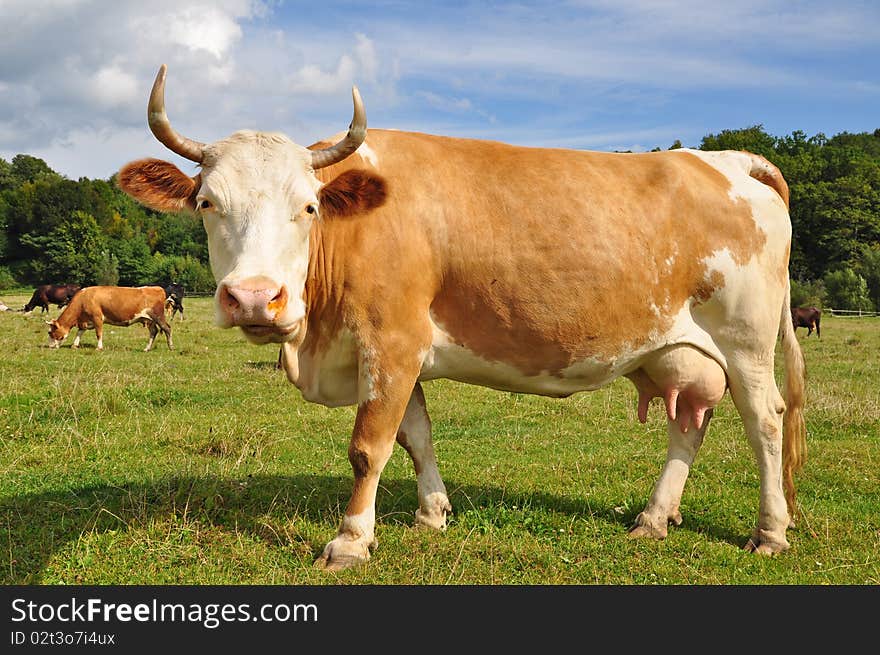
[
  {"x": 368, "y": 155},
  {"x": 721, "y": 261},
  {"x": 360, "y": 526},
  {"x": 425, "y": 358},
  {"x": 367, "y": 370},
  {"x": 364, "y": 151},
  {"x": 450, "y": 360},
  {"x": 735, "y": 166},
  {"x": 330, "y": 377},
  {"x": 743, "y": 284}
]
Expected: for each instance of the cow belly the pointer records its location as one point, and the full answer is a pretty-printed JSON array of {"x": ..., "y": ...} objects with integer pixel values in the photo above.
[
  {"x": 112, "y": 317},
  {"x": 457, "y": 363},
  {"x": 447, "y": 359}
]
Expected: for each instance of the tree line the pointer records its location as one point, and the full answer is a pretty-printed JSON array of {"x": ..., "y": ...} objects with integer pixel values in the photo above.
[
  {"x": 53, "y": 229},
  {"x": 56, "y": 230}
]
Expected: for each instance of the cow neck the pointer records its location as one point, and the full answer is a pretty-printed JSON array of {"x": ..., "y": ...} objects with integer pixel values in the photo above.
[
  {"x": 320, "y": 293},
  {"x": 72, "y": 309}
]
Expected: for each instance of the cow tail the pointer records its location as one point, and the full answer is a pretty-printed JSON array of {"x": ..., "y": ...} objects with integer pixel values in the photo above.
[
  {"x": 794, "y": 430},
  {"x": 764, "y": 171}
]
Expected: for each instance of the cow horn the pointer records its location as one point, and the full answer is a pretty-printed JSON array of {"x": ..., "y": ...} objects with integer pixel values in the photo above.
[
  {"x": 161, "y": 126},
  {"x": 357, "y": 132}
]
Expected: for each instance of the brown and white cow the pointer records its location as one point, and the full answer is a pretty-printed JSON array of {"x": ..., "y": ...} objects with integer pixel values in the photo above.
[
  {"x": 384, "y": 260},
  {"x": 94, "y": 306}
]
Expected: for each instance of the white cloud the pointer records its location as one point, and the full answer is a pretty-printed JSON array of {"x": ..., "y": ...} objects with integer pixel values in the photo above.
[
  {"x": 446, "y": 104},
  {"x": 75, "y": 74},
  {"x": 112, "y": 86},
  {"x": 312, "y": 79},
  {"x": 196, "y": 28},
  {"x": 365, "y": 51}
]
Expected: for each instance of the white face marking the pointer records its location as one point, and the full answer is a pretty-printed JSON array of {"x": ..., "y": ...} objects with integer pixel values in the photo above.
[{"x": 258, "y": 188}]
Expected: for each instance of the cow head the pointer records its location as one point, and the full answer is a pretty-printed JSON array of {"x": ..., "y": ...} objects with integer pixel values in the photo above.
[
  {"x": 258, "y": 196},
  {"x": 57, "y": 333}
]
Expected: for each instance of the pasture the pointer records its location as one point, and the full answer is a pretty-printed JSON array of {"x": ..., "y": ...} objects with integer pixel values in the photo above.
[{"x": 202, "y": 465}]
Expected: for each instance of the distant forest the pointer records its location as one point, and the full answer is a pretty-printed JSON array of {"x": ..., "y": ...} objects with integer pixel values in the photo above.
[{"x": 54, "y": 230}]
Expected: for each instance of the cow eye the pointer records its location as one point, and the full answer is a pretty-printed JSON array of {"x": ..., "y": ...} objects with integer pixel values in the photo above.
[
  {"x": 205, "y": 204},
  {"x": 311, "y": 209}
]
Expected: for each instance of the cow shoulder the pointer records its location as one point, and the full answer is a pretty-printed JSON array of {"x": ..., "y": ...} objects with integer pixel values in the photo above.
[{"x": 159, "y": 184}]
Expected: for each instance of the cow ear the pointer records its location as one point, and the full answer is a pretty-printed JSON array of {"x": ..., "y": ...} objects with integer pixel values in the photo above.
[
  {"x": 355, "y": 191},
  {"x": 159, "y": 185}
]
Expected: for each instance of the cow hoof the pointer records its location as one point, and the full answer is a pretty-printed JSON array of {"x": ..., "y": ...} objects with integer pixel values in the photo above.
[
  {"x": 434, "y": 516},
  {"x": 344, "y": 553},
  {"x": 763, "y": 543},
  {"x": 644, "y": 527},
  {"x": 73, "y": 346}
]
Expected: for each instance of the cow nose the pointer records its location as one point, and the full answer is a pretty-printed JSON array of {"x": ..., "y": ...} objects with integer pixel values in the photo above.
[{"x": 253, "y": 301}]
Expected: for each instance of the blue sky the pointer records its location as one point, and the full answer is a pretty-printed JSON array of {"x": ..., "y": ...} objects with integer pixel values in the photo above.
[{"x": 595, "y": 74}]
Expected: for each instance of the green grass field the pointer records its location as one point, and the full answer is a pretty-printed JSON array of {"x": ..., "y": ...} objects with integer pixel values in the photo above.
[{"x": 204, "y": 466}]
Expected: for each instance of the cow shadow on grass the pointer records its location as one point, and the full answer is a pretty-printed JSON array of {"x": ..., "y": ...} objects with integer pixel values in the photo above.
[{"x": 36, "y": 526}]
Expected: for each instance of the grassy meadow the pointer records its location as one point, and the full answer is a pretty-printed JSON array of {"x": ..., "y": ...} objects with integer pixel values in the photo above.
[{"x": 202, "y": 465}]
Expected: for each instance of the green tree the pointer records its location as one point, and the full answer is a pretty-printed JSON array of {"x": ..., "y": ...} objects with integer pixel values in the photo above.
[
  {"x": 70, "y": 252},
  {"x": 135, "y": 261},
  {"x": 868, "y": 266},
  {"x": 847, "y": 290},
  {"x": 107, "y": 269},
  {"x": 754, "y": 139},
  {"x": 185, "y": 270}
]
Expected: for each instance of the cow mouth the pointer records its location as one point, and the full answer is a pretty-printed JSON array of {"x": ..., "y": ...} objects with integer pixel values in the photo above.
[{"x": 271, "y": 333}]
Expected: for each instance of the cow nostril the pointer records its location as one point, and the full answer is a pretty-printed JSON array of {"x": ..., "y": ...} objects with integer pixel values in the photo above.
[
  {"x": 279, "y": 300},
  {"x": 227, "y": 299}
]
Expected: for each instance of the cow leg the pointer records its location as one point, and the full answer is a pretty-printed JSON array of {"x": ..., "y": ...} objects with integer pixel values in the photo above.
[
  {"x": 754, "y": 392},
  {"x": 166, "y": 330},
  {"x": 154, "y": 330},
  {"x": 384, "y": 395},
  {"x": 99, "y": 331},
  {"x": 414, "y": 434},
  {"x": 664, "y": 504},
  {"x": 160, "y": 324},
  {"x": 79, "y": 332}
]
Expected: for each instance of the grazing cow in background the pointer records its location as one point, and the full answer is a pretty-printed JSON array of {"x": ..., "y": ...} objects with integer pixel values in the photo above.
[
  {"x": 807, "y": 317},
  {"x": 57, "y": 294},
  {"x": 384, "y": 260},
  {"x": 174, "y": 299},
  {"x": 123, "y": 306}
]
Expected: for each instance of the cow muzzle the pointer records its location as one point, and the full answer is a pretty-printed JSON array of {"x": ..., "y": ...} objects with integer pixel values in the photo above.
[{"x": 257, "y": 305}]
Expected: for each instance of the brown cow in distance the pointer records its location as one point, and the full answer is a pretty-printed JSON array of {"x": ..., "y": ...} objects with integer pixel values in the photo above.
[
  {"x": 807, "y": 317},
  {"x": 94, "y": 306}
]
